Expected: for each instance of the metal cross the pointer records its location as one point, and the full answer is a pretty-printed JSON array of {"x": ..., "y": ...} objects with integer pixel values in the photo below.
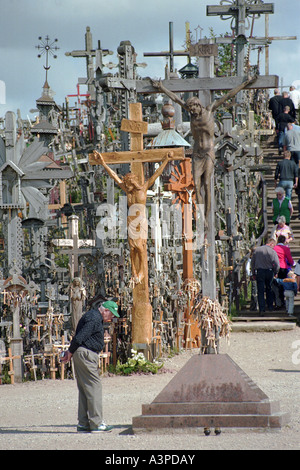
[{"x": 47, "y": 47}]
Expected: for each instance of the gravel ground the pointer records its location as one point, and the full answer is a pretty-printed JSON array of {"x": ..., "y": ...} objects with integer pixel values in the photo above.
[{"x": 42, "y": 415}]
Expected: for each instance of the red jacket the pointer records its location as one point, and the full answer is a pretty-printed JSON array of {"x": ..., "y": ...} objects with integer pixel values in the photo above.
[{"x": 284, "y": 254}]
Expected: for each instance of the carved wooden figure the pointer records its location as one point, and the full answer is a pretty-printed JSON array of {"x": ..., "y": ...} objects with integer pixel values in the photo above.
[
  {"x": 202, "y": 128},
  {"x": 136, "y": 190}
]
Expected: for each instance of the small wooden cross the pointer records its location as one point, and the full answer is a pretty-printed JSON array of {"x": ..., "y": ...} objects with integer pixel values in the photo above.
[{"x": 10, "y": 358}]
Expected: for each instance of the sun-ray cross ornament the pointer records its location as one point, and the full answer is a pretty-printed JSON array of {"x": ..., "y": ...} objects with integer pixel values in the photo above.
[
  {"x": 136, "y": 187},
  {"x": 47, "y": 47}
]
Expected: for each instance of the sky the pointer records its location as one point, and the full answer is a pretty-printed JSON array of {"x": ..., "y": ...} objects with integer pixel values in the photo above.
[{"x": 144, "y": 23}]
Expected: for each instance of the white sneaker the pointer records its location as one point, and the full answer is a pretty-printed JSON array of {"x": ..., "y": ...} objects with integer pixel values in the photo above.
[{"x": 102, "y": 428}]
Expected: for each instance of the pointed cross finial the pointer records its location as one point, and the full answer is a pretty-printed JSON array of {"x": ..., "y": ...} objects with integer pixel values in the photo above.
[{"x": 47, "y": 47}]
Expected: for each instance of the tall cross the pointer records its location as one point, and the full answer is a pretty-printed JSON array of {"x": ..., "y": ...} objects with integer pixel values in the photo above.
[
  {"x": 171, "y": 53},
  {"x": 142, "y": 310},
  {"x": 88, "y": 53},
  {"x": 239, "y": 10},
  {"x": 183, "y": 187}
]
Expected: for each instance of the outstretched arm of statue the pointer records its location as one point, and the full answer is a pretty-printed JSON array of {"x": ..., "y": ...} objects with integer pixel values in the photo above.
[
  {"x": 217, "y": 103},
  {"x": 160, "y": 169},
  {"x": 162, "y": 89},
  {"x": 111, "y": 172}
]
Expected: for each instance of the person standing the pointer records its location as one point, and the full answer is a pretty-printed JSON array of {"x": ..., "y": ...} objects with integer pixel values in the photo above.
[
  {"x": 264, "y": 265},
  {"x": 291, "y": 142},
  {"x": 85, "y": 347},
  {"x": 286, "y": 172}
]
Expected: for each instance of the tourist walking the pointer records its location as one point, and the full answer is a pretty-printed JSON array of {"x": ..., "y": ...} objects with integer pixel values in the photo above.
[
  {"x": 287, "y": 101},
  {"x": 282, "y": 206},
  {"x": 85, "y": 347},
  {"x": 286, "y": 174},
  {"x": 286, "y": 262},
  {"x": 282, "y": 121},
  {"x": 264, "y": 265},
  {"x": 282, "y": 229},
  {"x": 295, "y": 97},
  {"x": 297, "y": 191},
  {"x": 274, "y": 105},
  {"x": 290, "y": 290},
  {"x": 291, "y": 142}
]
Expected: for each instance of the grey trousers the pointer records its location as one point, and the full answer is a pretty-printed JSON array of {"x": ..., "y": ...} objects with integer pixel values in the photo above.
[{"x": 86, "y": 365}]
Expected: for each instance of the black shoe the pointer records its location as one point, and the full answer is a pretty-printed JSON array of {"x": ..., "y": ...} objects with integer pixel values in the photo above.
[{"x": 261, "y": 313}]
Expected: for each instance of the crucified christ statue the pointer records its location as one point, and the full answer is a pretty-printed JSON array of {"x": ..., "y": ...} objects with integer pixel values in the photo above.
[
  {"x": 202, "y": 128},
  {"x": 137, "y": 224}
]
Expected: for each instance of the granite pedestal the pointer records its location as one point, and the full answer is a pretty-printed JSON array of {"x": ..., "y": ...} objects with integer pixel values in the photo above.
[{"x": 210, "y": 391}]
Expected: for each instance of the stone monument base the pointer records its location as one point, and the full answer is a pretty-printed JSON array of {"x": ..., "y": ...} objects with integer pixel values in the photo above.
[{"x": 210, "y": 391}]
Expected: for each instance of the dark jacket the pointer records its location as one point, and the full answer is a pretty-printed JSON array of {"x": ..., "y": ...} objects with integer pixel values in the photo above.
[
  {"x": 264, "y": 257},
  {"x": 288, "y": 102},
  {"x": 282, "y": 121},
  {"x": 286, "y": 170},
  {"x": 89, "y": 332},
  {"x": 288, "y": 284},
  {"x": 274, "y": 106}
]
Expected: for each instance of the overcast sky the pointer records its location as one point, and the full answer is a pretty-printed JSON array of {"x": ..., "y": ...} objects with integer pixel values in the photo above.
[{"x": 144, "y": 23}]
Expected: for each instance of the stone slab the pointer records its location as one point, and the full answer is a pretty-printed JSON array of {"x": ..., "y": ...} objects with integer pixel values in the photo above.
[
  {"x": 210, "y": 378},
  {"x": 262, "y": 326},
  {"x": 210, "y": 391}
]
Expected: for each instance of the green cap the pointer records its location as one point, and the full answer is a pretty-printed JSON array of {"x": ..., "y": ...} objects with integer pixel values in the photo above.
[{"x": 112, "y": 306}]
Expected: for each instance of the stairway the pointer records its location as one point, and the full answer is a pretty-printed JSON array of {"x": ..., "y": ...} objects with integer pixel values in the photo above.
[{"x": 271, "y": 157}]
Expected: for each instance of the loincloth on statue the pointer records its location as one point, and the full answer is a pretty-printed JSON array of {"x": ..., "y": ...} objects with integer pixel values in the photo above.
[
  {"x": 203, "y": 161},
  {"x": 137, "y": 228}
]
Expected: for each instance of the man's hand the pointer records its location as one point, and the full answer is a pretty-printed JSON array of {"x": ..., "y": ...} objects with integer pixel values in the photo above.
[{"x": 67, "y": 357}]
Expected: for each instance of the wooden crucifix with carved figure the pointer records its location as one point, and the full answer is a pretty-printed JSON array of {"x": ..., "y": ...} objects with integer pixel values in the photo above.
[
  {"x": 135, "y": 187},
  {"x": 202, "y": 128}
]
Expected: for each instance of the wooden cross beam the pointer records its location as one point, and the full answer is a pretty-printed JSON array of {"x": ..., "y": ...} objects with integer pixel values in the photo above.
[
  {"x": 239, "y": 9},
  {"x": 142, "y": 310},
  {"x": 190, "y": 84}
]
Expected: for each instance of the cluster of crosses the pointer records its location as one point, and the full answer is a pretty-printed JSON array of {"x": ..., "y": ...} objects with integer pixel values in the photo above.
[{"x": 26, "y": 178}]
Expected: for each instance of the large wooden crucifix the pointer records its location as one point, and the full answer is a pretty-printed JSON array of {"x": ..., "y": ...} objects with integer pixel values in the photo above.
[{"x": 136, "y": 187}]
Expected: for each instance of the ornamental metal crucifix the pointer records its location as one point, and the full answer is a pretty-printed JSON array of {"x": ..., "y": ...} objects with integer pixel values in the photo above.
[{"x": 135, "y": 187}]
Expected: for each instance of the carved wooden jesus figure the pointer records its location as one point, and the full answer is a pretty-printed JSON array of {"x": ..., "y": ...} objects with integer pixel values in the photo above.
[
  {"x": 136, "y": 221},
  {"x": 202, "y": 128}
]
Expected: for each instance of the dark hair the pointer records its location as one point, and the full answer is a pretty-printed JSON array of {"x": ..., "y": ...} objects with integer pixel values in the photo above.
[{"x": 281, "y": 239}]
